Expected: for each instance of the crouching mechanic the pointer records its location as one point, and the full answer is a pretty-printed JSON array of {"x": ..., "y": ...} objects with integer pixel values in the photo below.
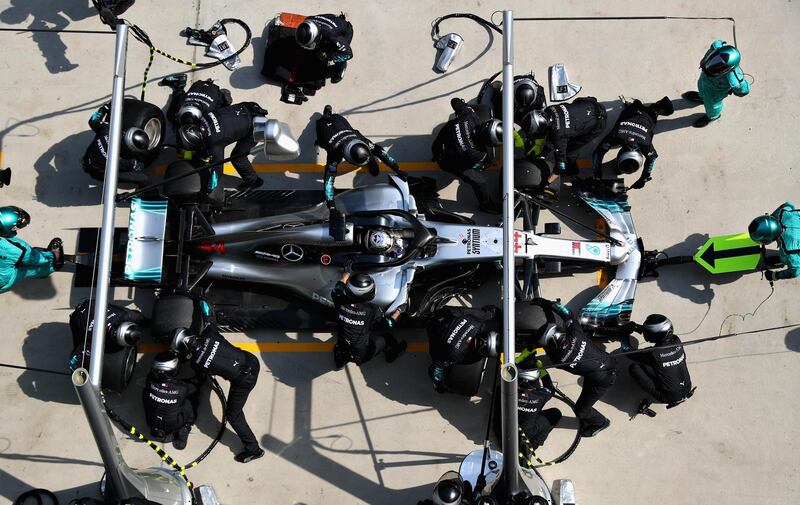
[
  {"x": 357, "y": 340},
  {"x": 131, "y": 171},
  {"x": 566, "y": 128},
  {"x": 123, "y": 327},
  {"x": 782, "y": 225},
  {"x": 564, "y": 343},
  {"x": 662, "y": 372},
  {"x": 460, "y": 335},
  {"x": 720, "y": 76},
  {"x": 342, "y": 142},
  {"x": 211, "y": 354},
  {"x": 220, "y": 128},
  {"x": 464, "y": 147},
  {"x": 633, "y": 134},
  {"x": 18, "y": 260},
  {"x": 188, "y": 107},
  {"x": 535, "y": 389},
  {"x": 170, "y": 404},
  {"x": 329, "y": 36}
]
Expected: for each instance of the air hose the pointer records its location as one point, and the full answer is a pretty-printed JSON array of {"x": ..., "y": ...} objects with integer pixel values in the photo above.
[
  {"x": 166, "y": 458},
  {"x": 481, "y": 21},
  {"x": 527, "y": 443}
]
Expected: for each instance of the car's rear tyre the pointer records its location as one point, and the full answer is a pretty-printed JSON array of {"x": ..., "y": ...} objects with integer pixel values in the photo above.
[
  {"x": 531, "y": 176},
  {"x": 118, "y": 368},
  {"x": 530, "y": 319},
  {"x": 185, "y": 190},
  {"x": 148, "y": 117},
  {"x": 173, "y": 311}
]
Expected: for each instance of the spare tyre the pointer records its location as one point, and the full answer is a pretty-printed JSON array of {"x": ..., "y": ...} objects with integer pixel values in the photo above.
[
  {"x": 118, "y": 368},
  {"x": 150, "y": 119}
]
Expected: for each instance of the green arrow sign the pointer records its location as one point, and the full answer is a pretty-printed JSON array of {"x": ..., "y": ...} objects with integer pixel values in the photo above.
[{"x": 729, "y": 253}]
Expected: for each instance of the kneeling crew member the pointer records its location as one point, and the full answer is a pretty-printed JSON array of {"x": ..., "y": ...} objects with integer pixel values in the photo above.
[
  {"x": 135, "y": 140},
  {"x": 218, "y": 129},
  {"x": 187, "y": 107},
  {"x": 122, "y": 330},
  {"x": 633, "y": 134},
  {"x": 170, "y": 404},
  {"x": 329, "y": 36},
  {"x": 18, "y": 260},
  {"x": 662, "y": 373},
  {"x": 535, "y": 389},
  {"x": 564, "y": 342},
  {"x": 460, "y": 335},
  {"x": 464, "y": 147},
  {"x": 357, "y": 317},
  {"x": 782, "y": 225},
  {"x": 342, "y": 142},
  {"x": 566, "y": 128},
  {"x": 211, "y": 354}
]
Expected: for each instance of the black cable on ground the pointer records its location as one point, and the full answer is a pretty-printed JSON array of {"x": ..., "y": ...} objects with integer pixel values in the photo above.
[
  {"x": 483, "y": 22},
  {"x": 563, "y": 457},
  {"x": 34, "y": 369},
  {"x": 481, "y": 482},
  {"x": 54, "y": 30}
]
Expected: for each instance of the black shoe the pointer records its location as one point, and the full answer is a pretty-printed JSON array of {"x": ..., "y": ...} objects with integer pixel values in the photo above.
[
  {"x": 702, "y": 122},
  {"x": 692, "y": 96},
  {"x": 644, "y": 408},
  {"x": 181, "y": 437},
  {"x": 174, "y": 81},
  {"x": 247, "y": 456},
  {"x": 250, "y": 185},
  {"x": 327, "y": 111},
  {"x": 339, "y": 75},
  {"x": 395, "y": 350},
  {"x": 590, "y": 431},
  {"x": 665, "y": 107},
  {"x": 56, "y": 246}
]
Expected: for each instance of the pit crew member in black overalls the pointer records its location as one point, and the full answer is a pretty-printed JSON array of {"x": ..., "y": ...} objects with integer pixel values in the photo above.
[
  {"x": 170, "y": 404},
  {"x": 123, "y": 328},
  {"x": 188, "y": 107},
  {"x": 329, "y": 36}
]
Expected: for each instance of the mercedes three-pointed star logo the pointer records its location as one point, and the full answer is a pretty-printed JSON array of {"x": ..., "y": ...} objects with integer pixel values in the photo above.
[{"x": 292, "y": 252}]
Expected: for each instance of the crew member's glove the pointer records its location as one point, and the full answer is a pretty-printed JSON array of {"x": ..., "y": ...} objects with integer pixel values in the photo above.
[
  {"x": 138, "y": 166},
  {"x": 348, "y": 266},
  {"x": 640, "y": 183},
  {"x": 550, "y": 193},
  {"x": 770, "y": 275},
  {"x": 436, "y": 374},
  {"x": 403, "y": 308},
  {"x": 336, "y": 227},
  {"x": 402, "y": 175},
  {"x": 56, "y": 246}
]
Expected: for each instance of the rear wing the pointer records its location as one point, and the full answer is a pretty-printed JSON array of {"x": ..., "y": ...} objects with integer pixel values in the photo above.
[{"x": 144, "y": 258}]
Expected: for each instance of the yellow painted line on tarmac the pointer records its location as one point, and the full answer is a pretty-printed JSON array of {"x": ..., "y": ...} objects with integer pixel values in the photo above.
[
  {"x": 287, "y": 347},
  {"x": 343, "y": 168}
]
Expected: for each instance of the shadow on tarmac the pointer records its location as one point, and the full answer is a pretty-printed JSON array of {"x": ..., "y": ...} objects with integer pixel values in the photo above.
[
  {"x": 48, "y": 346},
  {"x": 46, "y": 17}
]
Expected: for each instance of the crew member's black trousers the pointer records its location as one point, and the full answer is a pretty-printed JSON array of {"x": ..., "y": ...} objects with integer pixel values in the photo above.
[
  {"x": 237, "y": 397},
  {"x": 594, "y": 387},
  {"x": 363, "y": 351},
  {"x": 480, "y": 184},
  {"x": 538, "y": 427}
]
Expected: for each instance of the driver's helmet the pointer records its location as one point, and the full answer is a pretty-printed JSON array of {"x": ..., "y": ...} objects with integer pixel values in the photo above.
[
  {"x": 307, "y": 34},
  {"x": 379, "y": 241},
  {"x": 136, "y": 140},
  {"x": 656, "y": 328},
  {"x": 12, "y": 219},
  {"x": 165, "y": 365},
  {"x": 720, "y": 61},
  {"x": 765, "y": 229},
  {"x": 360, "y": 287},
  {"x": 629, "y": 159}
]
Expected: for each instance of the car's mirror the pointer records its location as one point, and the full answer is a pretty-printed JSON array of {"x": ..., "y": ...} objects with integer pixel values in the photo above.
[{"x": 275, "y": 139}]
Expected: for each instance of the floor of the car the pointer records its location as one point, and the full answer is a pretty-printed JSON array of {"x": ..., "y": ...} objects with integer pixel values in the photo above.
[{"x": 265, "y": 203}]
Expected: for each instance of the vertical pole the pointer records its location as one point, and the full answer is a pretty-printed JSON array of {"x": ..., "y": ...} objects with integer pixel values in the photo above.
[
  {"x": 508, "y": 372},
  {"x": 109, "y": 195}
]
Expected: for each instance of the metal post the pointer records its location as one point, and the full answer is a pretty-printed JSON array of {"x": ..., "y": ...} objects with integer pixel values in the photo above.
[
  {"x": 508, "y": 372},
  {"x": 109, "y": 196},
  {"x": 124, "y": 482}
]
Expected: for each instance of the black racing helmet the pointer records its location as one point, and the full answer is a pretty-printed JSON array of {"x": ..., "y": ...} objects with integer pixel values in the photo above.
[
  {"x": 449, "y": 490},
  {"x": 356, "y": 152},
  {"x": 490, "y": 133},
  {"x": 629, "y": 159},
  {"x": 307, "y": 34},
  {"x": 550, "y": 334},
  {"x": 190, "y": 137},
  {"x": 487, "y": 344},
  {"x": 181, "y": 340},
  {"x": 136, "y": 140},
  {"x": 656, "y": 328},
  {"x": 165, "y": 365},
  {"x": 525, "y": 94},
  {"x": 360, "y": 287},
  {"x": 189, "y": 113},
  {"x": 535, "y": 122}
]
